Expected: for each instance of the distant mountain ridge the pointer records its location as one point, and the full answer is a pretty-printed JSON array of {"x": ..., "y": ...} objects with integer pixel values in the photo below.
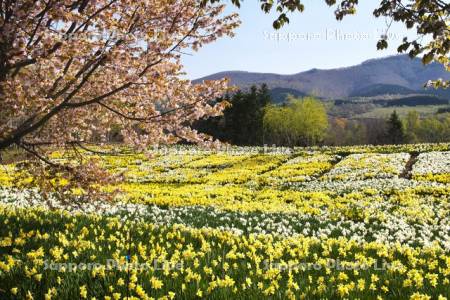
[{"x": 390, "y": 75}]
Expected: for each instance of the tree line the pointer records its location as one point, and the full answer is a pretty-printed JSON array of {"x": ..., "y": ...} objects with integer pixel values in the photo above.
[{"x": 252, "y": 119}]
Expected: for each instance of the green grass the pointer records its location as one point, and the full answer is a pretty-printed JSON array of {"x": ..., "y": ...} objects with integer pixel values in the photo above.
[{"x": 384, "y": 112}]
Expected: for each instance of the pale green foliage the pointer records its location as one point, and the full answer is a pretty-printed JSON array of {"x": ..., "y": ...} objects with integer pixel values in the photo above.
[
  {"x": 412, "y": 124},
  {"x": 300, "y": 122},
  {"x": 433, "y": 129}
]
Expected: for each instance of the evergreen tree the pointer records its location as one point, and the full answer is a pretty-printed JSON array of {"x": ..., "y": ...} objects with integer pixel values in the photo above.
[
  {"x": 242, "y": 122},
  {"x": 395, "y": 130}
]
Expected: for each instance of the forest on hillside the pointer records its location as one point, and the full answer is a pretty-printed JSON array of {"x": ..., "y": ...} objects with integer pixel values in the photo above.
[{"x": 254, "y": 118}]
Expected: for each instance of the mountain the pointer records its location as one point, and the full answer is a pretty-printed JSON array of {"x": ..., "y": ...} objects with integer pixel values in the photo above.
[
  {"x": 390, "y": 75},
  {"x": 381, "y": 89}
]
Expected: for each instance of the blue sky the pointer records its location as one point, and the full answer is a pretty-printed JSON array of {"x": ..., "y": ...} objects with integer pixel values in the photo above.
[{"x": 316, "y": 40}]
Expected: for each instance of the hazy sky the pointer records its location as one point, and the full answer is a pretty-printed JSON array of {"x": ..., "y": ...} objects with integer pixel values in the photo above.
[{"x": 316, "y": 40}]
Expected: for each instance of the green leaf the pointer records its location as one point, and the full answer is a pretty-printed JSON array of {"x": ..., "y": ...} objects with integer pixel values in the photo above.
[
  {"x": 276, "y": 25},
  {"x": 403, "y": 47},
  {"x": 382, "y": 44},
  {"x": 427, "y": 58}
]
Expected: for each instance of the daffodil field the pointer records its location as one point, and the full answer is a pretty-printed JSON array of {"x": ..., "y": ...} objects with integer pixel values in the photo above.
[{"x": 369, "y": 222}]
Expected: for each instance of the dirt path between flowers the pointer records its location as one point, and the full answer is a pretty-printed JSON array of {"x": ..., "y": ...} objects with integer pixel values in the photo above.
[
  {"x": 407, "y": 172},
  {"x": 341, "y": 157}
]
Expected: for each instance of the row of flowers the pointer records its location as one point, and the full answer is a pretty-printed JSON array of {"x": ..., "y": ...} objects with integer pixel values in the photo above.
[
  {"x": 277, "y": 170},
  {"x": 432, "y": 166},
  {"x": 363, "y": 166},
  {"x": 56, "y": 255},
  {"x": 422, "y": 221}
]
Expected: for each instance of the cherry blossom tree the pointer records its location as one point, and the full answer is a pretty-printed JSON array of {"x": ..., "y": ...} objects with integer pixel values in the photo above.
[{"x": 70, "y": 70}]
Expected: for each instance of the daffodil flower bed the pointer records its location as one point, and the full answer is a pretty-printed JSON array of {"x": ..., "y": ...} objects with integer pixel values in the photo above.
[
  {"x": 248, "y": 169},
  {"x": 413, "y": 223},
  {"x": 299, "y": 169},
  {"x": 246, "y": 223},
  {"x": 55, "y": 255},
  {"x": 432, "y": 166},
  {"x": 369, "y": 165}
]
